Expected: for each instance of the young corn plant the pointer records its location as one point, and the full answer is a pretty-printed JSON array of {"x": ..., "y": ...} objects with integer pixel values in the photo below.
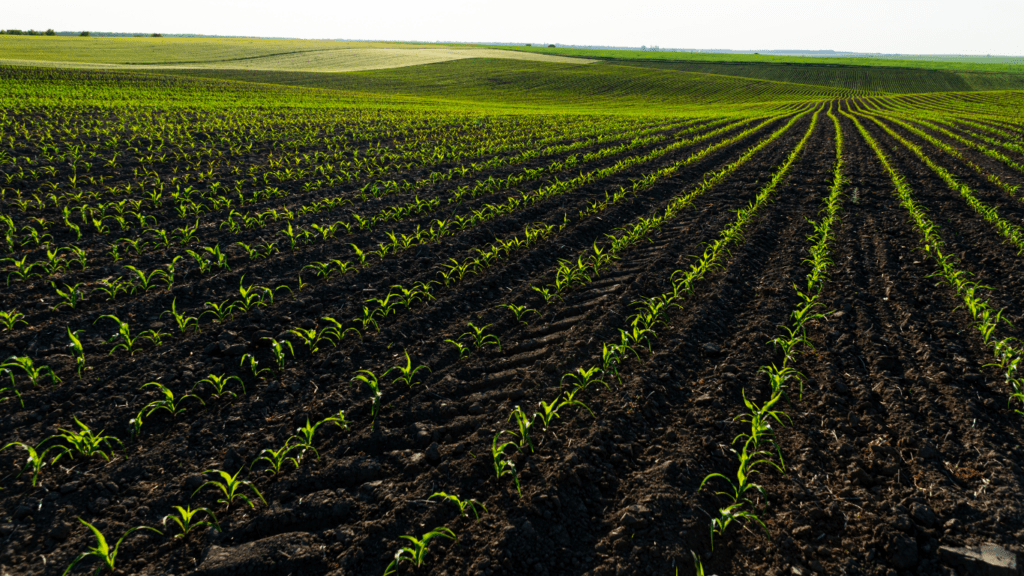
[
  {"x": 406, "y": 373},
  {"x": 479, "y": 338},
  {"x": 10, "y": 318},
  {"x": 370, "y": 379},
  {"x": 33, "y": 372},
  {"x": 582, "y": 378},
  {"x": 102, "y": 550},
  {"x": 519, "y": 312},
  {"x": 124, "y": 334},
  {"x": 85, "y": 442},
  {"x": 417, "y": 552},
  {"x": 463, "y": 349},
  {"x": 524, "y": 424},
  {"x": 230, "y": 486},
  {"x": 249, "y": 362},
  {"x": 36, "y": 457},
  {"x": 183, "y": 322},
  {"x": 277, "y": 351},
  {"x": 188, "y": 520},
  {"x": 219, "y": 384},
  {"x": 221, "y": 312},
  {"x": 77, "y": 350},
  {"x": 470, "y": 503},
  {"x": 276, "y": 459},
  {"x": 71, "y": 295},
  {"x": 503, "y": 465},
  {"x": 303, "y": 439}
]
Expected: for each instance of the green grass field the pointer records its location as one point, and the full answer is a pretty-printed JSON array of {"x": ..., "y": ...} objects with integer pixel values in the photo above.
[{"x": 239, "y": 53}]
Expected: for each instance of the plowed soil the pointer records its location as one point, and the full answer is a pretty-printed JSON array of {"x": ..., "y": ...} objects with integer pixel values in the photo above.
[{"x": 900, "y": 441}]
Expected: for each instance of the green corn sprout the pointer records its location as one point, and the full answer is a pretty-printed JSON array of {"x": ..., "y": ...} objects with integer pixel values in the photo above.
[
  {"x": 230, "y": 487},
  {"x": 470, "y": 503},
  {"x": 36, "y": 457},
  {"x": 416, "y": 553},
  {"x": 219, "y": 383},
  {"x": 503, "y": 465},
  {"x": 71, "y": 295},
  {"x": 148, "y": 281},
  {"x": 462, "y": 348},
  {"x": 102, "y": 550},
  {"x": 187, "y": 520},
  {"x": 312, "y": 338},
  {"x": 525, "y": 425},
  {"x": 371, "y": 380},
  {"x": 519, "y": 311},
  {"x": 113, "y": 288},
  {"x": 124, "y": 333},
  {"x": 181, "y": 320},
  {"x": 10, "y": 318},
  {"x": 221, "y": 311},
  {"x": 253, "y": 366},
  {"x": 277, "y": 350},
  {"x": 275, "y": 459},
  {"x": 479, "y": 338},
  {"x": 77, "y": 350},
  {"x": 406, "y": 373},
  {"x": 582, "y": 378},
  {"x": 169, "y": 403},
  {"x": 86, "y": 442},
  {"x": 304, "y": 435},
  {"x": 34, "y": 373}
]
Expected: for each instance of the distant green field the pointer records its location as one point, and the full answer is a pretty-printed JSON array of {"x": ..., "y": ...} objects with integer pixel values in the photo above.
[
  {"x": 976, "y": 64},
  {"x": 238, "y": 53},
  {"x": 872, "y": 74},
  {"x": 873, "y": 78},
  {"x": 518, "y": 84}
]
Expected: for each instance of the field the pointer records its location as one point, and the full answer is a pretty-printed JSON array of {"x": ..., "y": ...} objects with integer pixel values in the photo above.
[{"x": 494, "y": 317}]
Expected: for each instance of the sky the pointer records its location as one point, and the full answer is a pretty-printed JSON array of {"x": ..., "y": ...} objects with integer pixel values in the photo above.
[{"x": 885, "y": 26}]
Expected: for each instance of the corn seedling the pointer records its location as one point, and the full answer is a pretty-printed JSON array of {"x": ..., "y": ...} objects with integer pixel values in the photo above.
[
  {"x": 183, "y": 322},
  {"x": 102, "y": 550},
  {"x": 169, "y": 403},
  {"x": 10, "y": 318},
  {"x": 187, "y": 520},
  {"x": 71, "y": 295},
  {"x": 249, "y": 361},
  {"x": 479, "y": 338},
  {"x": 582, "y": 378},
  {"x": 221, "y": 312},
  {"x": 219, "y": 383},
  {"x": 148, "y": 281},
  {"x": 77, "y": 351},
  {"x": 503, "y": 465},
  {"x": 304, "y": 435},
  {"x": 34, "y": 373},
  {"x": 277, "y": 350},
  {"x": 470, "y": 503},
  {"x": 275, "y": 459},
  {"x": 124, "y": 333},
  {"x": 406, "y": 373},
  {"x": 312, "y": 337},
  {"x": 36, "y": 457},
  {"x": 371, "y": 380},
  {"x": 417, "y": 552},
  {"x": 524, "y": 425},
  {"x": 230, "y": 486},
  {"x": 462, "y": 348},
  {"x": 85, "y": 442},
  {"x": 519, "y": 311},
  {"x": 113, "y": 287}
]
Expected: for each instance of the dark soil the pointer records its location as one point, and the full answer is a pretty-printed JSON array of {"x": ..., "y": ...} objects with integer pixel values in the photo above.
[{"x": 901, "y": 441}]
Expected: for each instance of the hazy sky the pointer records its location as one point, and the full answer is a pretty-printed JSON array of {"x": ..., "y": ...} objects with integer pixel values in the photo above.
[{"x": 890, "y": 26}]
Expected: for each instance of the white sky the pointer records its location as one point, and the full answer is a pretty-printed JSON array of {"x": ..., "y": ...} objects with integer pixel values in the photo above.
[{"x": 888, "y": 26}]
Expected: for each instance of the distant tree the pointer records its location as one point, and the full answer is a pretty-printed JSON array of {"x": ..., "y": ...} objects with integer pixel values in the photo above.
[
  {"x": 156, "y": 35},
  {"x": 551, "y": 45},
  {"x": 50, "y": 32},
  {"x": 12, "y": 32},
  {"x": 529, "y": 44},
  {"x": 84, "y": 33}
]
